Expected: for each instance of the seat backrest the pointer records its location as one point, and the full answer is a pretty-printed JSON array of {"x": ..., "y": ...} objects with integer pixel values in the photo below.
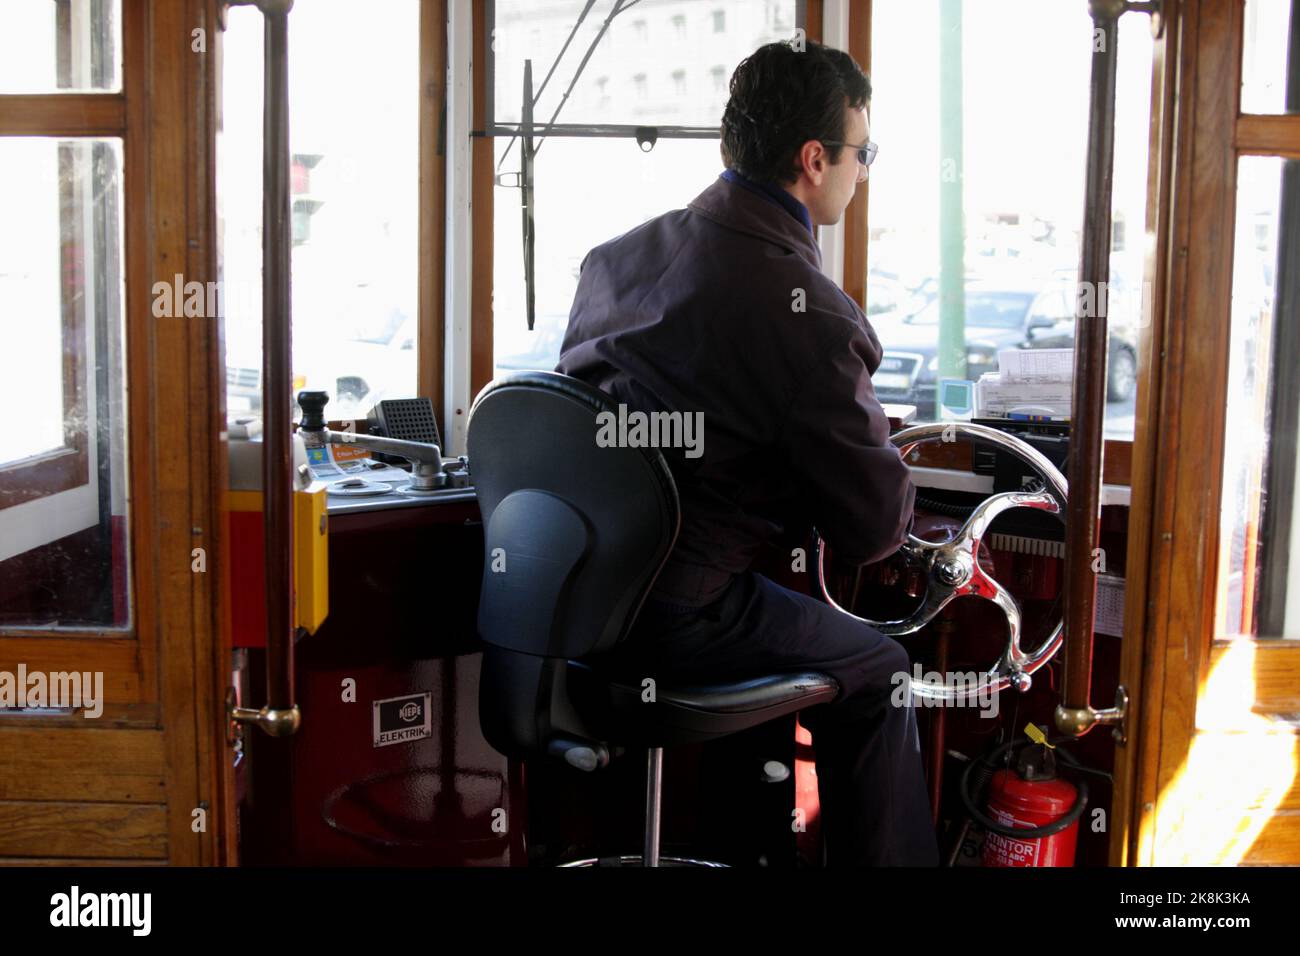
[{"x": 574, "y": 536}]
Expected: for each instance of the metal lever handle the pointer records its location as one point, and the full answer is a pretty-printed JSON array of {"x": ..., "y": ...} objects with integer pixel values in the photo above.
[{"x": 426, "y": 473}]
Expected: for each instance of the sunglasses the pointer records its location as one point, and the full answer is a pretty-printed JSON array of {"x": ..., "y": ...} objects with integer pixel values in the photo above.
[{"x": 866, "y": 152}]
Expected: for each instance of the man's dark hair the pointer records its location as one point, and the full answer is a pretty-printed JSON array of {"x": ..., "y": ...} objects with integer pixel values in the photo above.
[{"x": 780, "y": 99}]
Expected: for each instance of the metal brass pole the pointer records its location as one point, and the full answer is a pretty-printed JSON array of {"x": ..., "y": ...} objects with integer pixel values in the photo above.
[
  {"x": 1088, "y": 411},
  {"x": 280, "y": 717}
]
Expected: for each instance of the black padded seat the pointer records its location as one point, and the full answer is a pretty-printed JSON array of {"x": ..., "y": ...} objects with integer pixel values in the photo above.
[
  {"x": 616, "y": 709},
  {"x": 574, "y": 536}
]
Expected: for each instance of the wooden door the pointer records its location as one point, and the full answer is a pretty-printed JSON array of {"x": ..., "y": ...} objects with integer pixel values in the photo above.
[
  {"x": 1209, "y": 771},
  {"x": 110, "y": 559}
]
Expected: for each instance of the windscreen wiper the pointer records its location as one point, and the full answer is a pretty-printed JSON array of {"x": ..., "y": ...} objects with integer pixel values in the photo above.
[
  {"x": 526, "y": 197},
  {"x": 529, "y": 150}
]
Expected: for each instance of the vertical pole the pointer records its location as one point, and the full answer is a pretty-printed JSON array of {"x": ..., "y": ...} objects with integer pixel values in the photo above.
[
  {"x": 459, "y": 227},
  {"x": 277, "y": 352},
  {"x": 1089, "y": 396},
  {"x": 952, "y": 219},
  {"x": 653, "y": 784}
]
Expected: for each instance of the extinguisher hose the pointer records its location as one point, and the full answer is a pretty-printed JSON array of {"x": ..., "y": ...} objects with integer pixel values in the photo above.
[{"x": 1024, "y": 833}]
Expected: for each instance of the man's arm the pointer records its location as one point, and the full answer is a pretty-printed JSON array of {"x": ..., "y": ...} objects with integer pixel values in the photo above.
[{"x": 860, "y": 492}]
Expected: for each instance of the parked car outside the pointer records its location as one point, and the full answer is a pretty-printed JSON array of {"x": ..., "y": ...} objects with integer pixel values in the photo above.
[
  {"x": 998, "y": 316},
  {"x": 360, "y": 353}
]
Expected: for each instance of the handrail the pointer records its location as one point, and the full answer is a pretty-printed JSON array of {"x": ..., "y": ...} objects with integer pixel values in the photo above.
[
  {"x": 1075, "y": 715},
  {"x": 280, "y": 717}
]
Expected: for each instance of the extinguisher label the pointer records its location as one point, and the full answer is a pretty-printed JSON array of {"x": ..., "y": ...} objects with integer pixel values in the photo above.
[
  {"x": 400, "y": 720},
  {"x": 1002, "y": 850}
]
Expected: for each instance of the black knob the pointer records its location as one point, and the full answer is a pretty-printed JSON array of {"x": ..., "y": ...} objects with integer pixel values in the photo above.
[{"x": 313, "y": 410}]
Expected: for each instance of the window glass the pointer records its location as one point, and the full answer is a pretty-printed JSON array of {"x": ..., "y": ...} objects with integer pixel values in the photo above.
[
  {"x": 1257, "y": 521},
  {"x": 982, "y": 125},
  {"x": 621, "y": 187},
  {"x": 639, "y": 55},
  {"x": 64, "y": 533},
  {"x": 1267, "y": 30},
  {"x": 60, "y": 46},
  {"x": 589, "y": 189},
  {"x": 354, "y": 140}
]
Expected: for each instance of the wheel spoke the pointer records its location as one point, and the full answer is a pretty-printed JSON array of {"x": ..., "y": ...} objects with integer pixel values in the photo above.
[
  {"x": 936, "y": 599},
  {"x": 918, "y": 550},
  {"x": 952, "y": 568},
  {"x": 977, "y": 525},
  {"x": 988, "y": 588}
]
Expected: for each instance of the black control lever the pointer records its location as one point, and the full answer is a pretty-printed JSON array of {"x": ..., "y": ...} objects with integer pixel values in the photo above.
[{"x": 313, "y": 410}]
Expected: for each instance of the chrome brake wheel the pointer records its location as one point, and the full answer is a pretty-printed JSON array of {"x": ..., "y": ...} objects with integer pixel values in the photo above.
[{"x": 952, "y": 568}]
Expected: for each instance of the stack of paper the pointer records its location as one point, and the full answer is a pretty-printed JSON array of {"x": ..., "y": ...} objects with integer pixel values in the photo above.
[
  {"x": 1035, "y": 384},
  {"x": 1038, "y": 366}
]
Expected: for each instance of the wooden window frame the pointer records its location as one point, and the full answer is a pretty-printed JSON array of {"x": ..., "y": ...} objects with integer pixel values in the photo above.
[
  {"x": 66, "y": 466},
  {"x": 83, "y": 116},
  {"x": 431, "y": 328}
]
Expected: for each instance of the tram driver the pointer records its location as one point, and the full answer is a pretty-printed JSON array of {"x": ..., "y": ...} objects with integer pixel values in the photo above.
[{"x": 722, "y": 309}]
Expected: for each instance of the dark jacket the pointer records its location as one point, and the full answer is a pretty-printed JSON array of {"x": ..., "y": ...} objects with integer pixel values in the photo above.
[{"x": 722, "y": 308}]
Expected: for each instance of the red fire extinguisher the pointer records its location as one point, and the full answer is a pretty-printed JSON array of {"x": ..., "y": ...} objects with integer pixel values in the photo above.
[{"x": 1033, "y": 815}]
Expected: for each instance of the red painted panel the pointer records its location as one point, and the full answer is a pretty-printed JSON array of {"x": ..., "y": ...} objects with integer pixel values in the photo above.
[{"x": 247, "y": 579}]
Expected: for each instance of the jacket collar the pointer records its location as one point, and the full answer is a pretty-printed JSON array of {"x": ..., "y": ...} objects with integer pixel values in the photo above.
[
  {"x": 775, "y": 193},
  {"x": 731, "y": 205}
]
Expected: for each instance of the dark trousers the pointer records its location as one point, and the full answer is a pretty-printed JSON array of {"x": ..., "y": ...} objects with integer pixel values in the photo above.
[{"x": 870, "y": 783}]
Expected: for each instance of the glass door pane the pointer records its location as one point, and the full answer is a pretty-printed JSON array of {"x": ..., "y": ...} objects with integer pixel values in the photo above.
[
  {"x": 64, "y": 548},
  {"x": 1255, "y": 595},
  {"x": 1265, "y": 54},
  {"x": 60, "y": 46}
]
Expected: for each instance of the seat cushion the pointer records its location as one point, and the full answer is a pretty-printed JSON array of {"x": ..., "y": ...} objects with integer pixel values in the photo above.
[{"x": 623, "y": 712}]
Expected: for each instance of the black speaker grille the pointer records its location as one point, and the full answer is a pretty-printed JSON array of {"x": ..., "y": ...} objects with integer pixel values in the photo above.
[{"x": 410, "y": 419}]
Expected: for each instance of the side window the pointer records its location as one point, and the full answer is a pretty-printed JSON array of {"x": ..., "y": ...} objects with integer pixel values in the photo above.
[
  {"x": 882, "y": 296},
  {"x": 970, "y": 211},
  {"x": 590, "y": 186},
  {"x": 1052, "y": 306},
  {"x": 354, "y": 183},
  {"x": 65, "y": 521}
]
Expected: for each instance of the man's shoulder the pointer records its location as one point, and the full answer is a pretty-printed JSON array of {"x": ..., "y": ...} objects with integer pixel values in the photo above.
[{"x": 672, "y": 220}]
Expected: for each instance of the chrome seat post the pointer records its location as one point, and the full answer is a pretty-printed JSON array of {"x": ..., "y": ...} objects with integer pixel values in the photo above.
[{"x": 653, "y": 776}]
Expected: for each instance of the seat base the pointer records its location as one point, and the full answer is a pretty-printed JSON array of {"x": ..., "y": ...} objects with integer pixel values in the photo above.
[{"x": 636, "y": 860}]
